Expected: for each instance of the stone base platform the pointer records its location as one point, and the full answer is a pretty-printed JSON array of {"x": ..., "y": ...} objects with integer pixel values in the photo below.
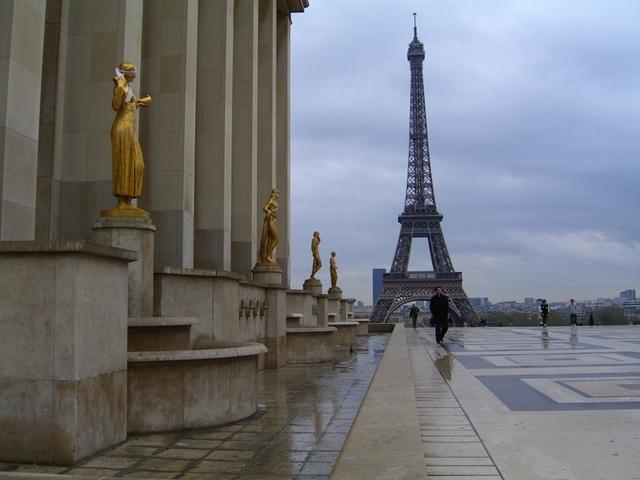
[
  {"x": 313, "y": 286},
  {"x": 310, "y": 344},
  {"x": 363, "y": 326},
  {"x": 346, "y": 334},
  {"x": 159, "y": 333},
  {"x": 176, "y": 390}
]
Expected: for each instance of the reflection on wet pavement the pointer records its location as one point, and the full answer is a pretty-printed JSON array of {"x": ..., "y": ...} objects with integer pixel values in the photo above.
[
  {"x": 306, "y": 413},
  {"x": 531, "y": 403},
  {"x": 444, "y": 364}
]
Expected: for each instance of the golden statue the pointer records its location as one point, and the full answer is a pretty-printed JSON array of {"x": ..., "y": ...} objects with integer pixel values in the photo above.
[
  {"x": 333, "y": 271},
  {"x": 269, "y": 237},
  {"x": 317, "y": 263},
  {"x": 127, "y": 163}
]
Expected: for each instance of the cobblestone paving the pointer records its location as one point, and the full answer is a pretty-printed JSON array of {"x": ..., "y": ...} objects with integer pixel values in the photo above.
[{"x": 305, "y": 415}]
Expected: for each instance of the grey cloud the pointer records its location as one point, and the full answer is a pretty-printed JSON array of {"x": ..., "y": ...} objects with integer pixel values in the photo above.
[{"x": 532, "y": 108}]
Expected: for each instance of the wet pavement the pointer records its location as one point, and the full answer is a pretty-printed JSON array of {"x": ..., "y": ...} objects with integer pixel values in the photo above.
[
  {"x": 529, "y": 403},
  {"x": 305, "y": 415},
  {"x": 492, "y": 404}
]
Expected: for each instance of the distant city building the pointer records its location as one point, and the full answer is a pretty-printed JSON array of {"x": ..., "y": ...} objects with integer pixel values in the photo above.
[
  {"x": 480, "y": 303},
  {"x": 377, "y": 283},
  {"x": 628, "y": 295},
  {"x": 632, "y": 309},
  {"x": 604, "y": 301},
  {"x": 529, "y": 304}
]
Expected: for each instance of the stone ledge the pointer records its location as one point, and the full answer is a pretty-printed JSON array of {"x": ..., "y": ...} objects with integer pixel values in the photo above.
[
  {"x": 124, "y": 222},
  {"x": 225, "y": 350},
  {"x": 381, "y": 327},
  {"x": 311, "y": 330},
  {"x": 343, "y": 324},
  {"x": 198, "y": 272},
  {"x": 388, "y": 417},
  {"x": 161, "y": 321},
  {"x": 67, "y": 246}
]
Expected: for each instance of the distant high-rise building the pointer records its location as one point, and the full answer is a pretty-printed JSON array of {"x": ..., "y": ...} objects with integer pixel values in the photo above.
[
  {"x": 479, "y": 303},
  {"x": 628, "y": 295},
  {"x": 529, "y": 304},
  {"x": 377, "y": 283}
]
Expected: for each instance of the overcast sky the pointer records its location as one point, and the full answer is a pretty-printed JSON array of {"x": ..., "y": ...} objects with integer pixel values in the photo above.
[{"x": 533, "y": 111}]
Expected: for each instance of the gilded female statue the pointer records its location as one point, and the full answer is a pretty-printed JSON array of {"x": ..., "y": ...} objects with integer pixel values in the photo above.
[
  {"x": 333, "y": 271},
  {"x": 269, "y": 237},
  {"x": 126, "y": 156},
  {"x": 315, "y": 250}
]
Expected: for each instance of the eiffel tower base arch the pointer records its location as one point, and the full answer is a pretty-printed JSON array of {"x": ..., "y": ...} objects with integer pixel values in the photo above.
[{"x": 422, "y": 286}]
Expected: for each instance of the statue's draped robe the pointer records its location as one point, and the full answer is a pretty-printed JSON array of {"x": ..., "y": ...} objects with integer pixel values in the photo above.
[{"x": 126, "y": 155}]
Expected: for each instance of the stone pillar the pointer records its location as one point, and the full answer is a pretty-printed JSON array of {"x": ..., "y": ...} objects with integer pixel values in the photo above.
[
  {"x": 267, "y": 274},
  {"x": 266, "y": 159},
  {"x": 95, "y": 36},
  {"x": 63, "y": 350},
  {"x": 47, "y": 188},
  {"x": 276, "y": 327},
  {"x": 214, "y": 113},
  {"x": 323, "y": 310},
  {"x": 21, "y": 43},
  {"x": 134, "y": 234},
  {"x": 313, "y": 286},
  {"x": 244, "y": 135},
  {"x": 283, "y": 144},
  {"x": 342, "y": 313},
  {"x": 335, "y": 293},
  {"x": 167, "y": 128}
]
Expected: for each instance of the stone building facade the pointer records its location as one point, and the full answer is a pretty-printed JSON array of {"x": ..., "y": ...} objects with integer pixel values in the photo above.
[{"x": 215, "y": 140}]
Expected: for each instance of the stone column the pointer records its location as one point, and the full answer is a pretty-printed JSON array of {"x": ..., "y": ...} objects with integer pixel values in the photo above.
[
  {"x": 167, "y": 128},
  {"x": 244, "y": 137},
  {"x": 137, "y": 235},
  {"x": 276, "y": 327},
  {"x": 283, "y": 144},
  {"x": 266, "y": 105},
  {"x": 21, "y": 43},
  {"x": 95, "y": 36},
  {"x": 323, "y": 310},
  {"x": 46, "y": 187},
  {"x": 214, "y": 113}
]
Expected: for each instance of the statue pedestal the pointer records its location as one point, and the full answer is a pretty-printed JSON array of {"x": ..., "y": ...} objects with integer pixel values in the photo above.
[
  {"x": 137, "y": 234},
  {"x": 313, "y": 286},
  {"x": 335, "y": 293},
  {"x": 268, "y": 274}
]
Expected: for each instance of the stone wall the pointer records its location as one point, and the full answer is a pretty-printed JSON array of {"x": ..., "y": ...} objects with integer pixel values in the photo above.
[{"x": 63, "y": 350}]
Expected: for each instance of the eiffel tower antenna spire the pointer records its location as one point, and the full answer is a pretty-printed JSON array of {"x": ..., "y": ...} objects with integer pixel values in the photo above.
[
  {"x": 415, "y": 28},
  {"x": 420, "y": 218}
]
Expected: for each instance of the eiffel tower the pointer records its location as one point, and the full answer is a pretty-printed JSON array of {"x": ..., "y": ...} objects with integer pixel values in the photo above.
[{"x": 421, "y": 219}]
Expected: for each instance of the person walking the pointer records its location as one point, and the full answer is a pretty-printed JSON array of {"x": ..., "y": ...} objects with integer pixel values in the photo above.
[
  {"x": 413, "y": 314},
  {"x": 439, "y": 306},
  {"x": 544, "y": 312},
  {"x": 591, "y": 320},
  {"x": 573, "y": 313}
]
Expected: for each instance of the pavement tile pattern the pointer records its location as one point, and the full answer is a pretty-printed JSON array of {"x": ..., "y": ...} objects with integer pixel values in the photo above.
[
  {"x": 305, "y": 415},
  {"x": 452, "y": 448},
  {"x": 554, "y": 369}
]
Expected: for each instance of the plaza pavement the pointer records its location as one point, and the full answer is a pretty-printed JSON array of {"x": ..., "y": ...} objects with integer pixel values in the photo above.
[{"x": 493, "y": 403}]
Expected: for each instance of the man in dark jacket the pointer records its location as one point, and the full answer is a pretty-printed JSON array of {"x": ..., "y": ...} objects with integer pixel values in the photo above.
[
  {"x": 413, "y": 313},
  {"x": 544, "y": 312},
  {"x": 439, "y": 307}
]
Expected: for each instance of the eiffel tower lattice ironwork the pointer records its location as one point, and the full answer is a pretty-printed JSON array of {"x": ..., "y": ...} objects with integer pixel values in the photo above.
[{"x": 420, "y": 219}]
